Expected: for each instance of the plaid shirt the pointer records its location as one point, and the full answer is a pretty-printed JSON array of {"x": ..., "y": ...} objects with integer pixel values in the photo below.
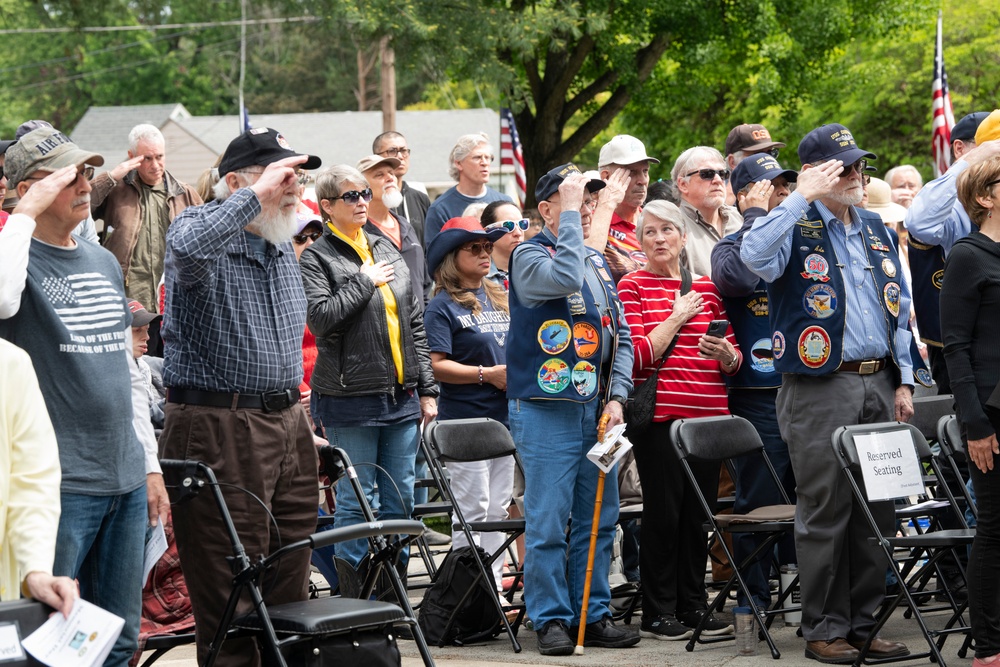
[{"x": 231, "y": 324}]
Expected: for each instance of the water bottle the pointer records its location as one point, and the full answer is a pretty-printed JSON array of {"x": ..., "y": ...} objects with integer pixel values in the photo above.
[{"x": 746, "y": 631}]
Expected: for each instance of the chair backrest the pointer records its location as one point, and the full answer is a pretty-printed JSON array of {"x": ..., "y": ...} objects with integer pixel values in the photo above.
[
  {"x": 715, "y": 438},
  {"x": 466, "y": 440},
  {"x": 928, "y": 410},
  {"x": 847, "y": 451},
  {"x": 950, "y": 437}
]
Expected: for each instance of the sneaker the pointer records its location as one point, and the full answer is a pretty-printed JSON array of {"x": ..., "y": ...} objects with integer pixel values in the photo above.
[
  {"x": 553, "y": 639},
  {"x": 605, "y": 634},
  {"x": 713, "y": 626},
  {"x": 665, "y": 628}
]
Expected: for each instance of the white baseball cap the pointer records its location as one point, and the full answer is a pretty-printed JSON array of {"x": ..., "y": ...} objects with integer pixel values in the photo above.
[{"x": 624, "y": 150}]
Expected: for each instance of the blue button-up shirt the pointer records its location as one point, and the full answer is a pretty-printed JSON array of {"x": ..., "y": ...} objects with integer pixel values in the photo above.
[
  {"x": 768, "y": 245},
  {"x": 232, "y": 323}
]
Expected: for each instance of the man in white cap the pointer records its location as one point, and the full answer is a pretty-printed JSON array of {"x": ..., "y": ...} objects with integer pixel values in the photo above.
[{"x": 624, "y": 166}]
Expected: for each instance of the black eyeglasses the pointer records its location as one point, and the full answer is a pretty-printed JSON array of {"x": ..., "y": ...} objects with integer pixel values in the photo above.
[
  {"x": 709, "y": 174},
  {"x": 479, "y": 247},
  {"x": 989, "y": 185},
  {"x": 509, "y": 225},
  {"x": 314, "y": 235},
  {"x": 352, "y": 197},
  {"x": 395, "y": 152}
]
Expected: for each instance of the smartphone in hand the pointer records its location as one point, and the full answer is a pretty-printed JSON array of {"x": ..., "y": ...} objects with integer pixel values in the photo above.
[{"x": 718, "y": 328}]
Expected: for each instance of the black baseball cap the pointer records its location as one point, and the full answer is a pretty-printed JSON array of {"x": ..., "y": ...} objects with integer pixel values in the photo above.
[
  {"x": 759, "y": 167},
  {"x": 260, "y": 147},
  {"x": 965, "y": 129},
  {"x": 549, "y": 184},
  {"x": 831, "y": 142}
]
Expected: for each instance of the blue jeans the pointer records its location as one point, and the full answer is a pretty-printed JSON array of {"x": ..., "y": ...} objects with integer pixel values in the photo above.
[
  {"x": 755, "y": 488},
  {"x": 394, "y": 449},
  {"x": 101, "y": 542},
  {"x": 553, "y": 438}
]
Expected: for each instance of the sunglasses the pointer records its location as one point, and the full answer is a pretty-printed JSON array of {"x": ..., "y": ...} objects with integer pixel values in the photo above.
[
  {"x": 479, "y": 247},
  {"x": 87, "y": 173},
  {"x": 314, "y": 235},
  {"x": 860, "y": 166},
  {"x": 709, "y": 174},
  {"x": 773, "y": 152},
  {"x": 352, "y": 197},
  {"x": 1, "y": 173},
  {"x": 509, "y": 225},
  {"x": 989, "y": 185}
]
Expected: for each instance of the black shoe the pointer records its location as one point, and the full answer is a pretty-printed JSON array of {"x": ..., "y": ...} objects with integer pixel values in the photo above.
[
  {"x": 665, "y": 628},
  {"x": 712, "y": 626},
  {"x": 553, "y": 639},
  {"x": 605, "y": 634}
]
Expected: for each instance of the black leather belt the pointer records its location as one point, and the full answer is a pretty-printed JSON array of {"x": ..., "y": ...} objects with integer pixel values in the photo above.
[
  {"x": 863, "y": 367},
  {"x": 268, "y": 401}
]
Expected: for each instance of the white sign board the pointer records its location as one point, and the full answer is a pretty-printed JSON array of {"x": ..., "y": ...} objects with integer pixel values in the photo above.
[{"x": 889, "y": 464}]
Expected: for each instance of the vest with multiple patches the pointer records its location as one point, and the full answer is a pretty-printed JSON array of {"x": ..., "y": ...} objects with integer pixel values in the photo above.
[
  {"x": 807, "y": 301},
  {"x": 751, "y": 325},
  {"x": 556, "y": 349}
]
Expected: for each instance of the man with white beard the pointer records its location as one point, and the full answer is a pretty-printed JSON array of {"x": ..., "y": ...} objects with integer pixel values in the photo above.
[
  {"x": 233, "y": 322},
  {"x": 382, "y": 219}
]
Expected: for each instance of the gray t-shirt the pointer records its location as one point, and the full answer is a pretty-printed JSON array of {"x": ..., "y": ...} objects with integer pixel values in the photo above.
[{"x": 73, "y": 321}]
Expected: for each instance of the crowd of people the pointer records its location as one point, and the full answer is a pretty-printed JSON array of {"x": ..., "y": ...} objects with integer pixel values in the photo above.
[{"x": 241, "y": 323}]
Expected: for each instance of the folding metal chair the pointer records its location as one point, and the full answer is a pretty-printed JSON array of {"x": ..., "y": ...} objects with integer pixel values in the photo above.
[
  {"x": 288, "y": 632},
  {"x": 467, "y": 441},
  {"x": 953, "y": 451},
  {"x": 717, "y": 439},
  {"x": 932, "y": 545}
]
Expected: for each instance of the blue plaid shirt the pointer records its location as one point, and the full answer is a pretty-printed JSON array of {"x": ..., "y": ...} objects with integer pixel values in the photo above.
[{"x": 231, "y": 323}]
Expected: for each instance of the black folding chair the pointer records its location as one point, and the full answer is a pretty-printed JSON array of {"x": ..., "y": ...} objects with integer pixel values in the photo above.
[
  {"x": 932, "y": 545},
  {"x": 293, "y": 633},
  {"x": 953, "y": 451},
  {"x": 467, "y": 441},
  {"x": 715, "y": 440}
]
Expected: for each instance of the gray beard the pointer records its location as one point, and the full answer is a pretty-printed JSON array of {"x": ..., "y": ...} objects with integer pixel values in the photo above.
[
  {"x": 275, "y": 226},
  {"x": 392, "y": 198},
  {"x": 847, "y": 198}
]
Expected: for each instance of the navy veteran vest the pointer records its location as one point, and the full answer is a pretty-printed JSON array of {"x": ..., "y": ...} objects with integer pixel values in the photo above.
[
  {"x": 749, "y": 318},
  {"x": 807, "y": 301},
  {"x": 927, "y": 269},
  {"x": 556, "y": 349}
]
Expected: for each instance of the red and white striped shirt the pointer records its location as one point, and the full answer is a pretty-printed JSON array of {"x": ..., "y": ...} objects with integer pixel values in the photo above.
[{"x": 688, "y": 385}]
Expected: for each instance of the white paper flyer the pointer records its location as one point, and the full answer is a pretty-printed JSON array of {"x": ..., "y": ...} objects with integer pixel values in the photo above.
[{"x": 82, "y": 640}]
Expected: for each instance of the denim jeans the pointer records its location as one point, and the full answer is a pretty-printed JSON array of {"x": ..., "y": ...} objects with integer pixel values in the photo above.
[
  {"x": 553, "y": 438},
  {"x": 101, "y": 542},
  {"x": 394, "y": 449}
]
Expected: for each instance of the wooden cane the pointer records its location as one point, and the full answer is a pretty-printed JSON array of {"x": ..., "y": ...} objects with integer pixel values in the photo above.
[{"x": 594, "y": 524}]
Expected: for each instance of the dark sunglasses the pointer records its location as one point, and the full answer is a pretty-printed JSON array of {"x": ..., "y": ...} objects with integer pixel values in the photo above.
[
  {"x": 479, "y": 247},
  {"x": 709, "y": 174},
  {"x": 989, "y": 185},
  {"x": 509, "y": 225},
  {"x": 353, "y": 197},
  {"x": 861, "y": 166},
  {"x": 1, "y": 173},
  {"x": 300, "y": 239},
  {"x": 773, "y": 152}
]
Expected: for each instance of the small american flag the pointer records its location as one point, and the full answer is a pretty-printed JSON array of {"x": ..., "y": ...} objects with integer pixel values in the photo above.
[
  {"x": 85, "y": 301},
  {"x": 510, "y": 151},
  {"x": 943, "y": 116}
]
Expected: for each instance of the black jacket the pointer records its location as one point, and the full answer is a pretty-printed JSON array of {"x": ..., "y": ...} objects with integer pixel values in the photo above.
[{"x": 347, "y": 315}]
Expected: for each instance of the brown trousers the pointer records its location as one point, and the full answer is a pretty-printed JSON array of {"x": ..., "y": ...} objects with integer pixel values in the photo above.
[{"x": 269, "y": 454}]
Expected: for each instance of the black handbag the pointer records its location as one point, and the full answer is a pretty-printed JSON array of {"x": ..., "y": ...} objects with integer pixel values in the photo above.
[{"x": 641, "y": 404}]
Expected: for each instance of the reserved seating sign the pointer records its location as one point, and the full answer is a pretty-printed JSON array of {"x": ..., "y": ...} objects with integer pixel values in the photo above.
[{"x": 889, "y": 464}]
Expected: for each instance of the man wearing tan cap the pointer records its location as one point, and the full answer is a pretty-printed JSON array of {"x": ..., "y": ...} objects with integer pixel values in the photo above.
[{"x": 64, "y": 303}]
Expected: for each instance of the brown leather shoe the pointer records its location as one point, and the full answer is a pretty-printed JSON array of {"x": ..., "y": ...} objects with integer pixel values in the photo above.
[
  {"x": 882, "y": 648},
  {"x": 834, "y": 652}
]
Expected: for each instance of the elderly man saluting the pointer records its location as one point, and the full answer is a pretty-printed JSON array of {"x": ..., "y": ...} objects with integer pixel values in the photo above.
[
  {"x": 570, "y": 349},
  {"x": 845, "y": 361},
  {"x": 234, "y": 317}
]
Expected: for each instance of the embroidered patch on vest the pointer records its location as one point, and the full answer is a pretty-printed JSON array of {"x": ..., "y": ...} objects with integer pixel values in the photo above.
[
  {"x": 553, "y": 376},
  {"x": 761, "y": 356},
  {"x": 889, "y": 267},
  {"x": 814, "y": 346},
  {"x": 820, "y": 301},
  {"x": 585, "y": 339},
  {"x": 816, "y": 268},
  {"x": 554, "y": 336},
  {"x": 778, "y": 344},
  {"x": 585, "y": 378},
  {"x": 890, "y": 294}
]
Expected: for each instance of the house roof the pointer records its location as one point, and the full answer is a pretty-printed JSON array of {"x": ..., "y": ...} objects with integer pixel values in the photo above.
[{"x": 105, "y": 130}]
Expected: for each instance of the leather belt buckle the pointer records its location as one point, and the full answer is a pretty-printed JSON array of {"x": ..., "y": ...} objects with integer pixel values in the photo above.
[
  {"x": 868, "y": 367},
  {"x": 274, "y": 401}
]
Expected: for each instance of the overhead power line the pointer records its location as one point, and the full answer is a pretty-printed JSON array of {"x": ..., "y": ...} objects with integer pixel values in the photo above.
[{"x": 165, "y": 26}]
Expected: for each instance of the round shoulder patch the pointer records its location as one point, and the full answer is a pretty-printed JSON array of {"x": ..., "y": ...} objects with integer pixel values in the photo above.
[
  {"x": 814, "y": 346},
  {"x": 778, "y": 344},
  {"x": 554, "y": 336},
  {"x": 924, "y": 377},
  {"x": 553, "y": 376}
]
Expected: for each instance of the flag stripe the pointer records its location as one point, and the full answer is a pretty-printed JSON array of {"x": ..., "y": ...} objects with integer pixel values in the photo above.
[
  {"x": 942, "y": 116},
  {"x": 510, "y": 151}
]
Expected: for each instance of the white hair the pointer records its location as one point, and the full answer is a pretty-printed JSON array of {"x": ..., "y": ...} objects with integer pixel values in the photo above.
[
  {"x": 683, "y": 163},
  {"x": 664, "y": 211},
  {"x": 141, "y": 133},
  {"x": 463, "y": 147},
  {"x": 902, "y": 169}
]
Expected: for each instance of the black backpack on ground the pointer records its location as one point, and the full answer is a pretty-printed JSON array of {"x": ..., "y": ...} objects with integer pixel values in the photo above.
[{"x": 454, "y": 611}]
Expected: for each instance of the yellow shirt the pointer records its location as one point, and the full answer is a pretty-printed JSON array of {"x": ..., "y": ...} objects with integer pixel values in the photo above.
[{"x": 360, "y": 246}]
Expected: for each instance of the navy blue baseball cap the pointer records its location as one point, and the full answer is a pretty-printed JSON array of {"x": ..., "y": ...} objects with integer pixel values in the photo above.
[
  {"x": 759, "y": 167},
  {"x": 965, "y": 129},
  {"x": 549, "y": 184},
  {"x": 831, "y": 142}
]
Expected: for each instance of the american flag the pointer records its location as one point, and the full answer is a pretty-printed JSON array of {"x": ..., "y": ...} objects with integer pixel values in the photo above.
[
  {"x": 85, "y": 301},
  {"x": 510, "y": 151},
  {"x": 943, "y": 117}
]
